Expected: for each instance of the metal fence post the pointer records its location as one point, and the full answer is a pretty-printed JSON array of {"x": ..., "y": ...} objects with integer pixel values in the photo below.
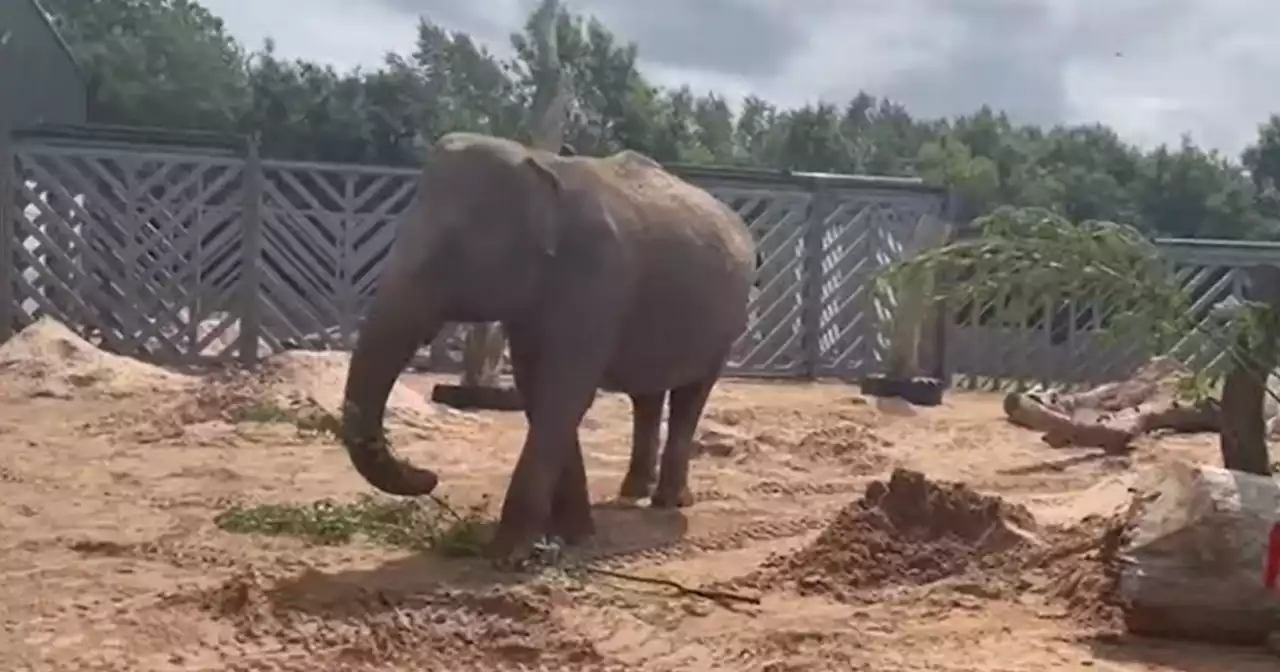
[
  {"x": 8, "y": 232},
  {"x": 820, "y": 207},
  {"x": 249, "y": 302}
]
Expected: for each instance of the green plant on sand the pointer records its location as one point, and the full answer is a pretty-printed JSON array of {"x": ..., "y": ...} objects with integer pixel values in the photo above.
[{"x": 405, "y": 523}]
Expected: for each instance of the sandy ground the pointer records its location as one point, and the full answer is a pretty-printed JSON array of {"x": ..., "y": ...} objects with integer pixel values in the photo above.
[{"x": 112, "y": 472}]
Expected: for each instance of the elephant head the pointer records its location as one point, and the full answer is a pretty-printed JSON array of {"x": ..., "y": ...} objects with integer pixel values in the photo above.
[{"x": 472, "y": 249}]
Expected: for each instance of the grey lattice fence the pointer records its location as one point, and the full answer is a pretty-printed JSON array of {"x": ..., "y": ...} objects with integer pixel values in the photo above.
[
  {"x": 138, "y": 248},
  {"x": 189, "y": 257}
]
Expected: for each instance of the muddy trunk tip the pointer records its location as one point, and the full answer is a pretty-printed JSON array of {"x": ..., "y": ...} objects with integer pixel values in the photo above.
[{"x": 374, "y": 460}]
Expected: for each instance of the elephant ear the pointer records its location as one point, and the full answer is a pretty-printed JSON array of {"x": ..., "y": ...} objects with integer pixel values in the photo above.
[{"x": 545, "y": 220}]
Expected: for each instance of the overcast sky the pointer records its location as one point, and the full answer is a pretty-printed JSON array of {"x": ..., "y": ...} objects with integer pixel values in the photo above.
[{"x": 1152, "y": 69}]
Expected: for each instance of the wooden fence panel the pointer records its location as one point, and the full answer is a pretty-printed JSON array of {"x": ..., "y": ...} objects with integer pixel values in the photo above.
[
  {"x": 863, "y": 231},
  {"x": 148, "y": 251},
  {"x": 327, "y": 231},
  {"x": 778, "y": 219},
  {"x": 133, "y": 249}
]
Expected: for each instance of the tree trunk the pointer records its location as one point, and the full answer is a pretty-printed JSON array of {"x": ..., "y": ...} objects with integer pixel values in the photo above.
[
  {"x": 1243, "y": 437},
  {"x": 483, "y": 346},
  {"x": 485, "y": 343},
  {"x": 911, "y": 311},
  {"x": 1199, "y": 556}
]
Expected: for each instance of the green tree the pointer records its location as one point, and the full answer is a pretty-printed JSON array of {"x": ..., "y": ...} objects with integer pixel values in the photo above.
[
  {"x": 305, "y": 111},
  {"x": 164, "y": 63},
  {"x": 1192, "y": 193},
  {"x": 170, "y": 63},
  {"x": 1262, "y": 159}
]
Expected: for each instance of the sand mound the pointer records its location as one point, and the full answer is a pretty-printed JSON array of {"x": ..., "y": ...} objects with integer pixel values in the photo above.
[
  {"x": 354, "y": 628},
  {"x": 909, "y": 530},
  {"x": 296, "y": 384},
  {"x": 49, "y": 359},
  {"x": 850, "y": 443},
  {"x": 321, "y": 376}
]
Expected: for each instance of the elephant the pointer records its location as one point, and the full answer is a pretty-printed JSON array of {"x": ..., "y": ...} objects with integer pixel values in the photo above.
[{"x": 604, "y": 272}]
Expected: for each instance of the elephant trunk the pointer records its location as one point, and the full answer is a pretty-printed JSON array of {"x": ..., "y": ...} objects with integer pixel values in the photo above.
[{"x": 389, "y": 337}]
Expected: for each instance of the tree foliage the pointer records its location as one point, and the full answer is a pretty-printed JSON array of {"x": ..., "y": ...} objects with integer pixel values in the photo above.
[{"x": 171, "y": 63}]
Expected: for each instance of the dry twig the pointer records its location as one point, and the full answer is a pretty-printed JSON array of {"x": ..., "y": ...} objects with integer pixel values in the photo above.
[{"x": 714, "y": 595}]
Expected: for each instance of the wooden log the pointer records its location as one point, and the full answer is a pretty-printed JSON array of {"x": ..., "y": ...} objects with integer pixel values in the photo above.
[
  {"x": 1200, "y": 556},
  {"x": 1112, "y": 434},
  {"x": 1061, "y": 430},
  {"x": 1181, "y": 418},
  {"x": 1145, "y": 385}
]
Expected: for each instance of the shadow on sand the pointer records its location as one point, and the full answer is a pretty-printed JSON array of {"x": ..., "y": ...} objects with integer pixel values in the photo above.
[
  {"x": 1060, "y": 464},
  {"x": 1158, "y": 654}
]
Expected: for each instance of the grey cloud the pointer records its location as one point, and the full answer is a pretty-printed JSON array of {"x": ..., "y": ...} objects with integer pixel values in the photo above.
[
  {"x": 752, "y": 38},
  {"x": 732, "y": 37},
  {"x": 1002, "y": 53}
]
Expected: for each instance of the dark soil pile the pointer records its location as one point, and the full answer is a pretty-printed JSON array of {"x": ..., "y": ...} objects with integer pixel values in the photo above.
[{"x": 908, "y": 531}]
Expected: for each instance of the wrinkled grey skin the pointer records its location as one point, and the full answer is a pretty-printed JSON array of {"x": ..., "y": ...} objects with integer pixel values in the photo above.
[{"x": 606, "y": 273}]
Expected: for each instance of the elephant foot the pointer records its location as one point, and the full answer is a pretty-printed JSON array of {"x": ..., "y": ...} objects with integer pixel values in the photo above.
[
  {"x": 573, "y": 525},
  {"x": 524, "y": 519},
  {"x": 571, "y": 509},
  {"x": 513, "y": 542},
  {"x": 635, "y": 489},
  {"x": 663, "y": 499}
]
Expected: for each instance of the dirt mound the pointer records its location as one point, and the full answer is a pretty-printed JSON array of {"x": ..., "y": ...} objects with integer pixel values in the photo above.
[
  {"x": 1081, "y": 570},
  {"x": 435, "y": 628},
  {"x": 49, "y": 359},
  {"x": 852, "y": 444},
  {"x": 322, "y": 375},
  {"x": 909, "y": 530},
  {"x": 300, "y": 387}
]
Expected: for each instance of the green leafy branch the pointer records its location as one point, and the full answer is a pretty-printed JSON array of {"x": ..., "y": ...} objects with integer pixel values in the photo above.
[{"x": 1024, "y": 259}]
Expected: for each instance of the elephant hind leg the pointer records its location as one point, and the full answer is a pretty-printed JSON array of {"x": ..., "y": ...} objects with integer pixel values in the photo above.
[
  {"x": 687, "y": 404},
  {"x": 645, "y": 435}
]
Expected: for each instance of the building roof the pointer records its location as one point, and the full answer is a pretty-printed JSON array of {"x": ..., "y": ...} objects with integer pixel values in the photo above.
[{"x": 61, "y": 41}]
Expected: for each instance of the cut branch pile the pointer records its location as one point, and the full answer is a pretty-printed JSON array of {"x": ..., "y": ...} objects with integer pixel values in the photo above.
[{"x": 1112, "y": 415}]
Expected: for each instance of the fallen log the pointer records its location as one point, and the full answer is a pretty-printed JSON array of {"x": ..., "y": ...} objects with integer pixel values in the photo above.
[
  {"x": 1201, "y": 556},
  {"x": 1113, "y": 434},
  {"x": 1061, "y": 430},
  {"x": 1152, "y": 380}
]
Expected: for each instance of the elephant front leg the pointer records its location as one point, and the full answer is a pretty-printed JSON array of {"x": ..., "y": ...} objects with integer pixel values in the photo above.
[
  {"x": 548, "y": 492},
  {"x": 645, "y": 430},
  {"x": 571, "y": 518},
  {"x": 687, "y": 404}
]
